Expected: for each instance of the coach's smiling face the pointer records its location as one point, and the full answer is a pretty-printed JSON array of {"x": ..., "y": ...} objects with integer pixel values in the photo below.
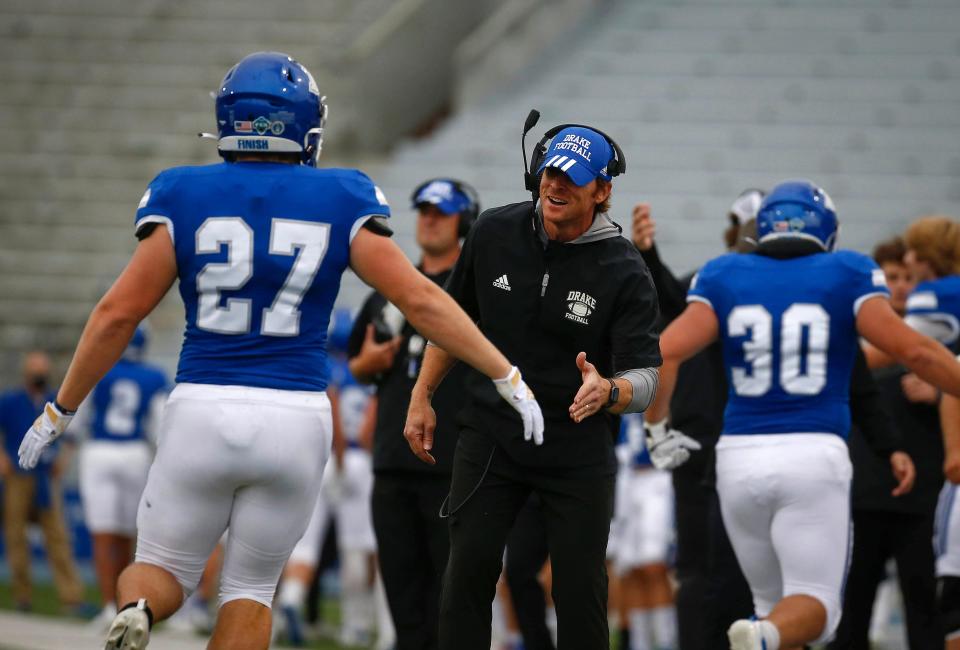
[{"x": 567, "y": 207}]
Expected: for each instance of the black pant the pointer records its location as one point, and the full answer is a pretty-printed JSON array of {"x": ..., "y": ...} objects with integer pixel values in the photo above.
[
  {"x": 728, "y": 595},
  {"x": 691, "y": 509},
  {"x": 878, "y": 536},
  {"x": 527, "y": 550},
  {"x": 712, "y": 592},
  {"x": 487, "y": 492},
  {"x": 413, "y": 543}
]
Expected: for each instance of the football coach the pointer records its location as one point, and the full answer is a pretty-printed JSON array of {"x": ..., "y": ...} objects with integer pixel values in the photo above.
[{"x": 552, "y": 283}]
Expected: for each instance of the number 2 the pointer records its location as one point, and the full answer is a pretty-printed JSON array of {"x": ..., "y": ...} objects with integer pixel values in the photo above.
[
  {"x": 802, "y": 371},
  {"x": 121, "y": 416},
  {"x": 306, "y": 240}
]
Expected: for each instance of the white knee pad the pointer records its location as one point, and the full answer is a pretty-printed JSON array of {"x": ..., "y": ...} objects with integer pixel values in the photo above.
[
  {"x": 235, "y": 589},
  {"x": 250, "y": 574},
  {"x": 186, "y": 568}
]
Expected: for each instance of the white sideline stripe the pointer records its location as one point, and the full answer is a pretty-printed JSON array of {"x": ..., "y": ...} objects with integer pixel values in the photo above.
[{"x": 570, "y": 163}]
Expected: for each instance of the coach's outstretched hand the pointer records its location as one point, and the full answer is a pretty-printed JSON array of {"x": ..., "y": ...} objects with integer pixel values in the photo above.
[
  {"x": 514, "y": 390},
  {"x": 46, "y": 428},
  {"x": 593, "y": 393},
  {"x": 668, "y": 448}
]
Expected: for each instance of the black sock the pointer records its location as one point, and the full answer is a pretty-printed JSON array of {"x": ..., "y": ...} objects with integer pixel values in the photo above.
[{"x": 146, "y": 608}]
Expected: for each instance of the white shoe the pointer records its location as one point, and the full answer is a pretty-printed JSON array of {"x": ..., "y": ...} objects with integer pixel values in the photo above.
[
  {"x": 746, "y": 635},
  {"x": 130, "y": 629}
]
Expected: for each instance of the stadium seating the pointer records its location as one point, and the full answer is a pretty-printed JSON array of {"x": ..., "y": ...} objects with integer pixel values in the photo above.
[{"x": 706, "y": 97}]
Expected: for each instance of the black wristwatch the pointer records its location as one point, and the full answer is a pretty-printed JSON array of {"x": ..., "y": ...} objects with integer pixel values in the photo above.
[{"x": 614, "y": 394}]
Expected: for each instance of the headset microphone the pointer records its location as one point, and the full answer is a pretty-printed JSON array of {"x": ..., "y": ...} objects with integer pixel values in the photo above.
[{"x": 531, "y": 122}]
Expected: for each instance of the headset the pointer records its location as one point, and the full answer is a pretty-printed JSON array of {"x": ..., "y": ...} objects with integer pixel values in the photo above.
[
  {"x": 469, "y": 214},
  {"x": 615, "y": 167}
]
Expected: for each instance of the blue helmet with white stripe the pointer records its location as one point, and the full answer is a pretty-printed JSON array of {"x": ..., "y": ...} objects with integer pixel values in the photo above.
[
  {"x": 798, "y": 211},
  {"x": 137, "y": 347},
  {"x": 268, "y": 102}
]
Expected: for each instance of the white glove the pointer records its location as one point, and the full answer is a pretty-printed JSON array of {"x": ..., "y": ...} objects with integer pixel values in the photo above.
[
  {"x": 46, "y": 428},
  {"x": 514, "y": 390},
  {"x": 668, "y": 448}
]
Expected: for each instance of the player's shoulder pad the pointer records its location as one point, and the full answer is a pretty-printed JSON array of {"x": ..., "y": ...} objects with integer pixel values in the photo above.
[
  {"x": 361, "y": 188},
  {"x": 947, "y": 286},
  {"x": 724, "y": 263},
  {"x": 859, "y": 264},
  {"x": 154, "y": 371},
  {"x": 854, "y": 260}
]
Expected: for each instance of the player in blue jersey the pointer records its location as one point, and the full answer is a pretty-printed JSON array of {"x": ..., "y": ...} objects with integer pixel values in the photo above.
[
  {"x": 258, "y": 244},
  {"x": 641, "y": 534},
  {"x": 933, "y": 307},
  {"x": 120, "y": 417},
  {"x": 933, "y": 261},
  {"x": 788, "y": 318},
  {"x": 345, "y": 498}
]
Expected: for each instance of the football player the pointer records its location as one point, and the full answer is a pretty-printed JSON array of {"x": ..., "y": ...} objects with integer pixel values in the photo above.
[
  {"x": 933, "y": 307},
  {"x": 258, "y": 243},
  {"x": 121, "y": 418},
  {"x": 788, "y": 317},
  {"x": 643, "y": 514},
  {"x": 345, "y": 495}
]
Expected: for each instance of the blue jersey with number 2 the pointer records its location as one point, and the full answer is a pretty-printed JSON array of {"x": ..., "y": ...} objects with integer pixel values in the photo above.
[
  {"x": 260, "y": 250},
  {"x": 788, "y": 330},
  {"x": 121, "y": 401}
]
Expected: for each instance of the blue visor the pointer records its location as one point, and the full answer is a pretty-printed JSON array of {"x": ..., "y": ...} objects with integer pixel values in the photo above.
[
  {"x": 580, "y": 153},
  {"x": 444, "y": 195}
]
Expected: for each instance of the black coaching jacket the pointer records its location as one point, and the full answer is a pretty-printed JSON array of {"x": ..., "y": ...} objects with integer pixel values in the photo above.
[{"x": 541, "y": 302}]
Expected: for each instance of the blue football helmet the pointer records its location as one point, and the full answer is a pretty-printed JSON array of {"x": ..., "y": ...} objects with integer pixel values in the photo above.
[
  {"x": 270, "y": 103},
  {"x": 137, "y": 346},
  {"x": 798, "y": 210}
]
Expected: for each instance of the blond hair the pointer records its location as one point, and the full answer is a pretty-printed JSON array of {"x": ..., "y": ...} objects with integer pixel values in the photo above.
[{"x": 935, "y": 240}]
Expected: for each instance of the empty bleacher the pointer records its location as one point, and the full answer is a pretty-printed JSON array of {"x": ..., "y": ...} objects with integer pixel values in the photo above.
[{"x": 708, "y": 97}]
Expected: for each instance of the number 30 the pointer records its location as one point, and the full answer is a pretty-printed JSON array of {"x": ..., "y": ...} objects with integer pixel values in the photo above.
[{"x": 802, "y": 372}]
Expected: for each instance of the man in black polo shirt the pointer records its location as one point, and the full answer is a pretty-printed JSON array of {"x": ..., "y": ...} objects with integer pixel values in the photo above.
[
  {"x": 412, "y": 538},
  {"x": 558, "y": 289}
]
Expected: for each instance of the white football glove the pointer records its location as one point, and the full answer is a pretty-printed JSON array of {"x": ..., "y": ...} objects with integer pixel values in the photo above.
[
  {"x": 668, "y": 448},
  {"x": 46, "y": 428},
  {"x": 514, "y": 390}
]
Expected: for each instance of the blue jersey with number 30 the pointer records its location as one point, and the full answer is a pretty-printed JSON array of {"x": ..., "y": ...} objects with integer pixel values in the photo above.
[
  {"x": 260, "y": 251},
  {"x": 788, "y": 331}
]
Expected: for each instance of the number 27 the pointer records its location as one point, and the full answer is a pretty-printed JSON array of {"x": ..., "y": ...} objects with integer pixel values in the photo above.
[{"x": 305, "y": 239}]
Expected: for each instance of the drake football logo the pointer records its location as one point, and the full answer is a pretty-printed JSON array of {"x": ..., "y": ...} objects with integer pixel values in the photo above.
[{"x": 579, "y": 307}]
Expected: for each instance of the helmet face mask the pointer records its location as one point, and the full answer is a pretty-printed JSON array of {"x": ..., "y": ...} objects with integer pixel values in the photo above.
[
  {"x": 270, "y": 103},
  {"x": 798, "y": 211}
]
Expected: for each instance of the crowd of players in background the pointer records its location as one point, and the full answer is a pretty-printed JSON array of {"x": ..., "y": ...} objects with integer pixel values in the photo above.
[{"x": 667, "y": 540}]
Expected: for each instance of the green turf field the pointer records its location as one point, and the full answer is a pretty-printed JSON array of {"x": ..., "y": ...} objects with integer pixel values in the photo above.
[{"x": 45, "y": 602}]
